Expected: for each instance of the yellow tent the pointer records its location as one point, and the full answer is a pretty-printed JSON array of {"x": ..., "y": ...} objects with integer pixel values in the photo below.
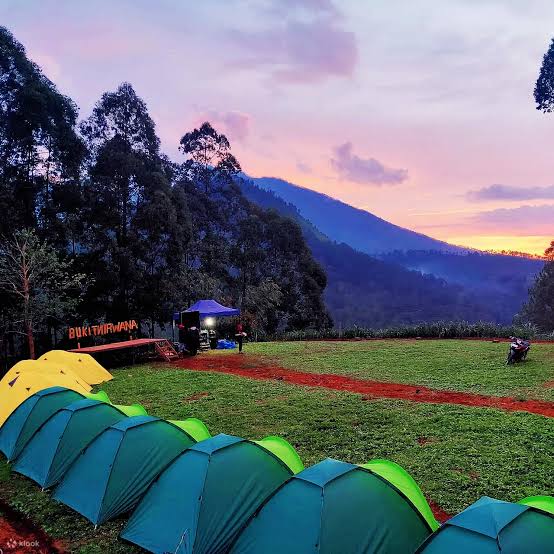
[
  {"x": 39, "y": 366},
  {"x": 84, "y": 365},
  {"x": 28, "y": 377}
]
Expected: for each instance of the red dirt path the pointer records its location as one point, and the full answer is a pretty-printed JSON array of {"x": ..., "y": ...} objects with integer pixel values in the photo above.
[
  {"x": 440, "y": 515},
  {"x": 19, "y": 536},
  {"x": 256, "y": 367}
]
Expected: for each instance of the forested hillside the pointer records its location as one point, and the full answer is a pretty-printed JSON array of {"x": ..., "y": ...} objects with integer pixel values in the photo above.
[
  {"x": 145, "y": 235},
  {"x": 364, "y": 290},
  {"x": 344, "y": 223},
  {"x": 501, "y": 281},
  {"x": 494, "y": 284}
]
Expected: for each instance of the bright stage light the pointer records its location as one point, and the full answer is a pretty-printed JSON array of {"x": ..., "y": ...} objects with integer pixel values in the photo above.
[{"x": 210, "y": 322}]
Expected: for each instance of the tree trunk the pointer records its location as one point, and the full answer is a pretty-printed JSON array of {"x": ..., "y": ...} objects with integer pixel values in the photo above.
[
  {"x": 27, "y": 304},
  {"x": 30, "y": 339},
  {"x": 243, "y": 291}
]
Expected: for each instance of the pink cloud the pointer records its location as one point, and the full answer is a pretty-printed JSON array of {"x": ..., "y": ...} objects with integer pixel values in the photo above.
[
  {"x": 235, "y": 125},
  {"x": 93, "y": 41},
  {"x": 299, "y": 51},
  {"x": 531, "y": 220},
  {"x": 367, "y": 171},
  {"x": 508, "y": 192}
]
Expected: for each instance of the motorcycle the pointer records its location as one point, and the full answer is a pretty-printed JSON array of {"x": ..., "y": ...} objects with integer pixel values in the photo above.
[{"x": 519, "y": 348}]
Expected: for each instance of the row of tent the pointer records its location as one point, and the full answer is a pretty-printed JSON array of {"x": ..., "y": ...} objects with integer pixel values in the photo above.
[{"x": 189, "y": 493}]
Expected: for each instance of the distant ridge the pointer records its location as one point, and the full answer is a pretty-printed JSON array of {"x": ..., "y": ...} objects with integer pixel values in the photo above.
[
  {"x": 381, "y": 274},
  {"x": 364, "y": 290},
  {"x": 343, "y": 223}
]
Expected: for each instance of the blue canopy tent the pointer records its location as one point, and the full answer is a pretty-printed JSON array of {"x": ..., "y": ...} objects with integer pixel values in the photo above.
[
  {"x": 211, "y": 308},
  {"x": 205, "y": 310}
]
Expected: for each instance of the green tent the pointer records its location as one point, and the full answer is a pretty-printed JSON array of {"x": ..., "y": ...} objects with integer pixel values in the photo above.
[
  {"x": 492, "y": 526},
  {"x": 111, "y": 475},
  {"x": 198, "y": 504},
  {"x": 544, "y": 503},
  {"x": 60, "y": 440},
  {"x": 335, "y": 507},
  {"x": 30, "y": 415}
]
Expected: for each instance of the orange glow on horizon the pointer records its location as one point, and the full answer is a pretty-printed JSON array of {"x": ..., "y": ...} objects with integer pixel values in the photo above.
[{"x": 533, "y": 244}]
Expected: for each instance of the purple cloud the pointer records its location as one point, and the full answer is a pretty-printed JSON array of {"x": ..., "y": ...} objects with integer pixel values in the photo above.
[
  {"x": 507, "y": 192},
  {"x": 366, "y": 171},
  {"x": 311, "y": 6},
  {"x": 303, "y": 167},
  {"x": 235, "y": 125},
  {"x": 299, "y": 51},
  {"x": 533, "y": 220}
]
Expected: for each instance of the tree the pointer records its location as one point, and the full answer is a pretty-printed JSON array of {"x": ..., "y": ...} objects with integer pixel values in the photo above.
[
  {"x": 40, "y": 152},
  {"x": 544, "y": 88},
  {"x": 549, "y": 252},
  {"x": 150, "y": 234},
  {"x": 539, "y": 310},
  {"x": 41, "y": 284},
  {"x": 248, "y": 253},
  {"x": 206, "y": 180},
  {"x": 260, "y": 304},
  {"x": 122, "y": 115},
  {"x": 133, "y": 236},
  {"x": 209, "y": 160}
]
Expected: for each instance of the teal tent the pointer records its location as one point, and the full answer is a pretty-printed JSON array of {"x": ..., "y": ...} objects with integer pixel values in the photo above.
[
  {"x": 30, "y": 415},
  {"x": 198, "y": 504},
  {"x": 335, "y": 507},
  {"x": 58, "y": 443},
  {"x": 111, "y": 475},
  {"x": 492, "y": 526}
]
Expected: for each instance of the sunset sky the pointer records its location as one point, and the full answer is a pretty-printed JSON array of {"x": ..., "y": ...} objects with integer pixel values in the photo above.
[{"x": 419, "y": 111}]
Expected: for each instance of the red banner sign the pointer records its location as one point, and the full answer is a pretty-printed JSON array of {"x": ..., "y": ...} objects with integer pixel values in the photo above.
[{"x": 102, "y": 329}]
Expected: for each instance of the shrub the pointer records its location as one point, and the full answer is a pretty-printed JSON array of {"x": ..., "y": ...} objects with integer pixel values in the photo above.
[{"x": 437, "y": 330}]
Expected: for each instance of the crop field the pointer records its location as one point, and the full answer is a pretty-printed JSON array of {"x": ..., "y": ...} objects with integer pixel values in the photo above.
[{"x": 456, "y": 453}]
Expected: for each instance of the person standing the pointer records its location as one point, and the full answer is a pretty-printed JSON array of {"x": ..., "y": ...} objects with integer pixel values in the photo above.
[
  {"x": 193, "y": 340},
  {"x": 239, "y": 334}
]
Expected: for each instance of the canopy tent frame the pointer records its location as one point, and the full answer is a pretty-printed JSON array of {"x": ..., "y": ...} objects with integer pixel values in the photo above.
[{"x": 211, "y": 308}]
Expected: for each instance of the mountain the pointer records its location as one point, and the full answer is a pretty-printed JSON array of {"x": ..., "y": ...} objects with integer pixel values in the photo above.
[
  {"x": 360, "y": 229},
  {"x": 473, "y": 285},
  {"x": 367, "y": 291},
  {"x": 498, "y": 282}
]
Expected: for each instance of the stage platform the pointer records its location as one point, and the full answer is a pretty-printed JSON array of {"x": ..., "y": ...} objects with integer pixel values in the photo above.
[
  {"x": 162, "y": 347},
  {"x": 117, "y": 345}
]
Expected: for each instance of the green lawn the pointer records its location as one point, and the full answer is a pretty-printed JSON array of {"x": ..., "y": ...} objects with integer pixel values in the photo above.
[
  {"x": 474, "y": 366},
  {"x": 456, "y": 454}
]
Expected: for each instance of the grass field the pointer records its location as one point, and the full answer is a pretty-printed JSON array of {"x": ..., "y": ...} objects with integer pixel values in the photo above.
[
  {"x": 462, "y": 365},
  {"x": 456, "y": 454}
]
